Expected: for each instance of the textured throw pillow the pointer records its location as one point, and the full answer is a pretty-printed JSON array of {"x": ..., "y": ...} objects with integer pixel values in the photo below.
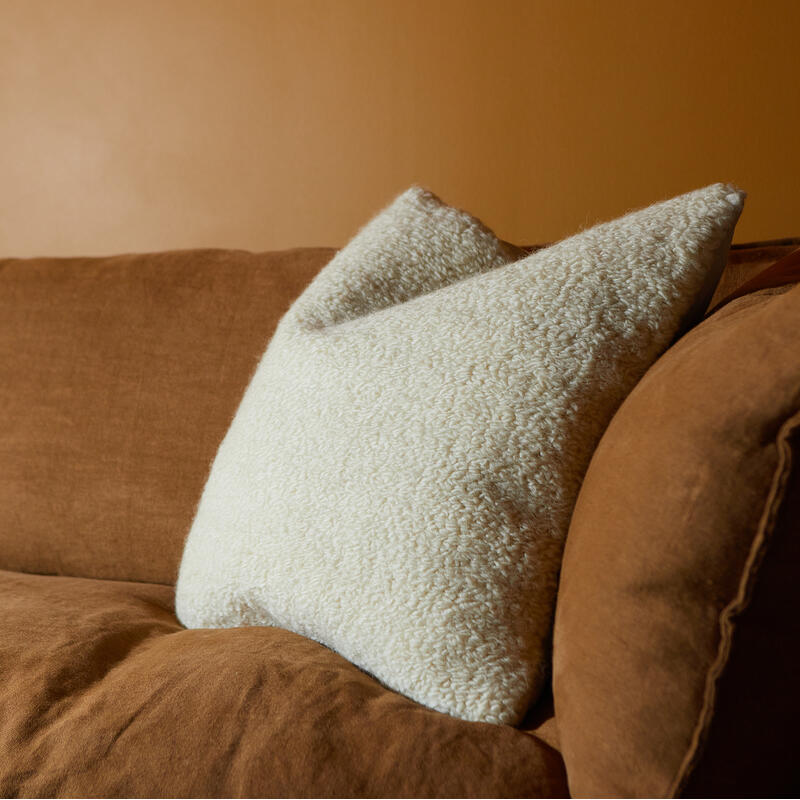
[
  {"x": 677, "y": 634},
  {"x": 398, "y": 480}
]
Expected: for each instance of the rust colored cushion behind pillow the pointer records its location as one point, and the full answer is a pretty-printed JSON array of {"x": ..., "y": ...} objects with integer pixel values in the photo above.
[
  {"x": 118, "y": 378},
  {"x": 677, "y": 634}
]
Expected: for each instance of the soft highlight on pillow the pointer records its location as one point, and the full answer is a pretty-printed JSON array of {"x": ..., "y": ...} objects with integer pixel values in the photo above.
[{"x": 399, "y": 477}]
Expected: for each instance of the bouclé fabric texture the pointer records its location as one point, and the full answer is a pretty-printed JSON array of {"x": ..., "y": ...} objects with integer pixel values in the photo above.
[{"x": 398, "y": 480}]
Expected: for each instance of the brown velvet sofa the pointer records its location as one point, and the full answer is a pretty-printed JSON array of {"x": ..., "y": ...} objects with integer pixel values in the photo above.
[{"x": 118, "y": 379}]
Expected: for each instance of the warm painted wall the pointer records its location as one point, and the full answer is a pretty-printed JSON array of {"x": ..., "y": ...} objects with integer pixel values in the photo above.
[{"x": 150, "y": 124}]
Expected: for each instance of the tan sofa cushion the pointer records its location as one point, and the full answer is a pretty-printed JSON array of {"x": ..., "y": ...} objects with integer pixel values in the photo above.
[
  {"x": 677, "y": 633},
  {"x": 118, "y": 379},
  {"x": 104, "y": 694}
]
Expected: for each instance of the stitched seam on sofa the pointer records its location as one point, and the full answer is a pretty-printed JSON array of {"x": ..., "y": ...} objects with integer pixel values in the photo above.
[{"x": 758, "y": 549}]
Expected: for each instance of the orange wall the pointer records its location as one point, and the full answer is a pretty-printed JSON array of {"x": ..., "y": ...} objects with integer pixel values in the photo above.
[{"x": 151, "y": 124}]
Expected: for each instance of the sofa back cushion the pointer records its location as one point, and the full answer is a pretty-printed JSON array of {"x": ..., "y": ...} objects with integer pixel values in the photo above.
[
  {"x": 676, "y": 636},
  {"x": 118, "y": 379}
]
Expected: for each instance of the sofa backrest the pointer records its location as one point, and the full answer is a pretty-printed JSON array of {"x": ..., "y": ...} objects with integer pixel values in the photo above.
[{"x": 118, "y": 379}]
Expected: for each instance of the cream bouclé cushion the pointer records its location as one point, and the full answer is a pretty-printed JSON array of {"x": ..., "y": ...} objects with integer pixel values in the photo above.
[{"x": 398, "y": 479}]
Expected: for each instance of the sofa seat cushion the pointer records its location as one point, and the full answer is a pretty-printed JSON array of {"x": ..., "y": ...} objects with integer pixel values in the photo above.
[{"x": 103, "y": 693}]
